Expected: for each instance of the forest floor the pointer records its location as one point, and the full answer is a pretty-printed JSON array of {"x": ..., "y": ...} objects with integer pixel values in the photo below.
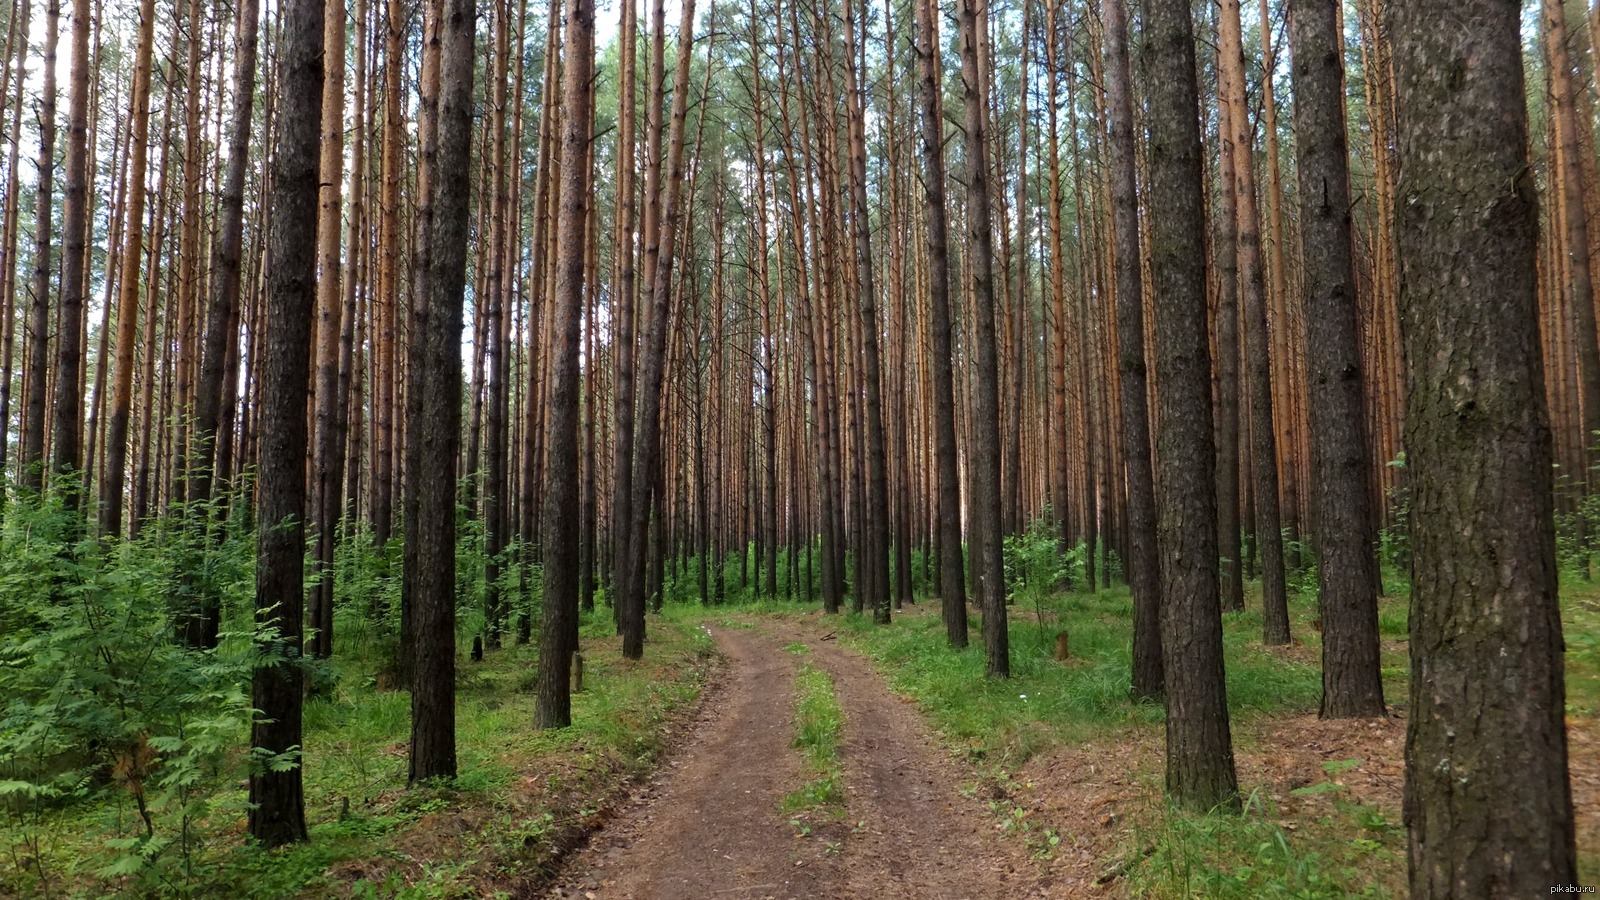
[
  {"x": 1048, "y": 784},
  {"x": 766, "y": 750}
]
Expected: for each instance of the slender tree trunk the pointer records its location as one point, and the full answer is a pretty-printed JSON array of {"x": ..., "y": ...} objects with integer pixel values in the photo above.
[
  {"x": 326, "y": 471},
  {"x": 1228, "y": 419},
  {"x": 874, "y": 559},
  {"x": 113, "y": 482},
  {"x": 66, "y": 443},
  {"x": 389, "y": 290},
  {"x": 626, "y": 337},
  {"x": 433, "y": 431},
  {"x": 659, "y": 253},
  {"x": 31, "y": 459},
  {"x": 1580, "y": 282},
  {"x": 1143, "y": 565},
  {"x": 1346, "y": 532},
  {"x": 560, "y": 637},
  {"x": 952, "y": 583},
  {"x": 277, "y": 814},
  {"x": 973, "y": 17},
  {"x": 1264, "y": 441}
]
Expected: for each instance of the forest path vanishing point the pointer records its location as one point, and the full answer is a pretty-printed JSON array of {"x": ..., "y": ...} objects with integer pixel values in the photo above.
[{"x": 710, "y": 824}]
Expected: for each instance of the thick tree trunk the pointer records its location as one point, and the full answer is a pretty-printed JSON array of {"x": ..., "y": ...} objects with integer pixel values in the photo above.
[
  {"x": 1346, "y": 532},
  {"x": 277, "y": 814},
  {"x": 1487, "y": 802},
  {"x": 1200, "y": 770}
]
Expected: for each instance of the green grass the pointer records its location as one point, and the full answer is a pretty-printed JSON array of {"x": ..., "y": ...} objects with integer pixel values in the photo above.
[
  {"x": 1046, "y": 705},
  {"x": 1250, "y": 855},
  {"x": 818, "y": 718},
  {"x": 518, "y": 789}
]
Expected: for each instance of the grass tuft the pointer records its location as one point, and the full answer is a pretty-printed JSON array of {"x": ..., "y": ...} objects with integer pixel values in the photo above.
[{"x": 818, "y": 718}]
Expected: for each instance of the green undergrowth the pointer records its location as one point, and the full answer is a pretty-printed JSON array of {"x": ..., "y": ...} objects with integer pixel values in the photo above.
[
  {"x": 1046, "y": 703},
  {"x": 818, "y": 718},
  {"x": 520, "y": 796},
  {"x": 1353, "y": 852},
  {"x": 1049, "y": 706}
]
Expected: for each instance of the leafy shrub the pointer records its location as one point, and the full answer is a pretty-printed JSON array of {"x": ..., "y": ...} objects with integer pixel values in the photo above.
[{"x": 101, "y": 702}]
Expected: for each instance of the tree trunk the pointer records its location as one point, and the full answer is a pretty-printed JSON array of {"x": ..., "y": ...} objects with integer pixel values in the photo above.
[
  {"x": 874, "y": 558},
  {"x": 31, "y": 459},
  {"x": 1264, "y": 441},
  {"x": 113, "y": 482},
  {"x": 1487, "y": 800},
  {"x": 1569, "y": 179},
  {"x": 1143, "y": 565},
  {"x": 326, "y": 467},
  {"x": 561, "y": 527},
  {"x": 1225, "y": 248},
  {"x": 433, "y": 433},
  {"x": 1200, "y": 770},
  {"x": 1346, "y": 532},
  {"x": 973, "y": 17},
  {"x": 277, "y": 813},
  {"x": 659, "y": 257},
  {"x": 66, "y": 442}
]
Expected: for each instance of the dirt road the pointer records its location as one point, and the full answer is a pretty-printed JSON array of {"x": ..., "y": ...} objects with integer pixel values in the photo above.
[{"x": 709, "y": 825}]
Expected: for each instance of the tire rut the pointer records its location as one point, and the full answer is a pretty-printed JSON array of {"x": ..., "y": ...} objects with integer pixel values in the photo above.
[
  {"x": 922, "y": 837},
  {"x": 709, "y": 825}
]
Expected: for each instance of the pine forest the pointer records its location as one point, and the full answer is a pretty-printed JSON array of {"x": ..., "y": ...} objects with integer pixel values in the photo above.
[{"x": 799, "y": 448}]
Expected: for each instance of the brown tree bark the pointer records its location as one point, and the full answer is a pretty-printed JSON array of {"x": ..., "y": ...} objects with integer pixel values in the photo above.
[
  {"x": 660, "y": 252},
  {"x": 8, "y": 237},
  {"x": 66, "y": 443},
  {"x": 1200, "y": 769},
  {"x": 559, "y": 640},
  {"x": 1569, "y": 179},
  {"x": 1487, "y": 802},
  {"x": 973, "y": 16},
  {"x": 114, "y": 480},
  {"x": 1346, "y": 531},
  {"x": 952, "y": 583},
  {"x": 277, "y": 814},
  {"x": 433, "y": 423},
  {"x": 1143, "y": 565},
  {"x": 327, "y": 467},
  {"x": 873, "y": 558},
  {"x": 623, "y": 303},
  {"x": 1228, "y": 419},
  {"x": 387, "y": 305},
  {"x": 1258, "y": 363},
  {"x": 31, "y": 458}
]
